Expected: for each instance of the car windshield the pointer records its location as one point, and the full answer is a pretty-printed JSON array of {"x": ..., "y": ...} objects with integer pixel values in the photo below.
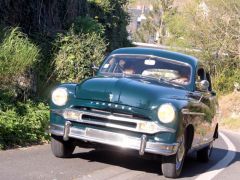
[{"x": 148, "y": 66}]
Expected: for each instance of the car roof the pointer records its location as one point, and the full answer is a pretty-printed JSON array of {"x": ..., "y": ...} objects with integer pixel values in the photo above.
[{"x": 159, "y": 53}]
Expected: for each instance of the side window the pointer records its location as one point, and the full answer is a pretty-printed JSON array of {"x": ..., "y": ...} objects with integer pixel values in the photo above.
[{"x": 201, "y": 75}]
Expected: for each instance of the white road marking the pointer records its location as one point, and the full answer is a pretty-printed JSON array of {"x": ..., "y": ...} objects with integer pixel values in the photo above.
[{"x": 217, "y": 168}]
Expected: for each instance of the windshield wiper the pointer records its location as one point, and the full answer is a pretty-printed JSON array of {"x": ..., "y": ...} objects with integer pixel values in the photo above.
[
  {"x": 160, "y": 80},
  {"x": 149, "y": 77},
  {"x": 170, "y": 82}
]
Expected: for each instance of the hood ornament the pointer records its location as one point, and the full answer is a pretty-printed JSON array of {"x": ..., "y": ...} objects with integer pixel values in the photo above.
[{"x": 110, "y": 96}]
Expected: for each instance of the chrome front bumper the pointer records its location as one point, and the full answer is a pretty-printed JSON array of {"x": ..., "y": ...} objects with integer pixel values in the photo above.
[{"x": 115, "y": 139}]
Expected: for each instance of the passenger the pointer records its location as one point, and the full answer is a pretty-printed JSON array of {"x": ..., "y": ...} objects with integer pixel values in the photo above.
[
  {"x": 129, "y": 71},
  {"x": 182, "y": 79}
]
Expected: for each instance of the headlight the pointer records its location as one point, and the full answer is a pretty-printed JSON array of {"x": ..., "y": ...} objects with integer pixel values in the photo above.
[
  {"x": 166, "y": 113},
  {"x": 60, "y": 96}
]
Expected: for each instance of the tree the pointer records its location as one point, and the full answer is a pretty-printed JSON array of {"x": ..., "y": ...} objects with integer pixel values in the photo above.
[
  {"x": 212, "y": 26},
  {"x": 113, "y": 15},
  {"x": 157, "y": 19}
]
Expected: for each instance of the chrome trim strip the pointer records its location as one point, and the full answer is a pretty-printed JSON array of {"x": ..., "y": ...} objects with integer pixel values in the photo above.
[
  {"x": 112, "y": 117},
  {"x": 116, "y": 139},
  {"x": 187, "y": 112},
  {"x": 107, "y": 116}
]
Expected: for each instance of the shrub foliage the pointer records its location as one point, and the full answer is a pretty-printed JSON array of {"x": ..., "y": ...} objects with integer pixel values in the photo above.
[
  {"x": 77, "y": 54},
  {"x": 225, "y": 81},
  {"x": 17, "y": 54},
  {"x": 113, "y": 15},
  {"x": 88, "y": 25},
  {"x": 22, "y": 123}
]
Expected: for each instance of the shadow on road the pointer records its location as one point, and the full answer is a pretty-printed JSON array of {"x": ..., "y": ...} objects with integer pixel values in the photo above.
[
  {"x": 191, "y": 167},
  {"x": 122, "y": 159}
]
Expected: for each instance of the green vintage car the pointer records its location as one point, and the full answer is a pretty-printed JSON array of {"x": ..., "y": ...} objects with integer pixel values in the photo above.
[{"x": 150, "y": 101}]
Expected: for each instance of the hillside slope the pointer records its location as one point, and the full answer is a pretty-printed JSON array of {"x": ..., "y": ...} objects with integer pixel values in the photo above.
[{"x": 230, "y": 111}]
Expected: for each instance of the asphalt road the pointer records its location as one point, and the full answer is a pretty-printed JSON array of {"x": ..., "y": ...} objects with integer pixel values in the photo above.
[{"x": 37, "y": 162}]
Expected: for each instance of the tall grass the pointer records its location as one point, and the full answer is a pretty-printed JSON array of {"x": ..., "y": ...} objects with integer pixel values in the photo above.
[{"x": 17, "y": 54}]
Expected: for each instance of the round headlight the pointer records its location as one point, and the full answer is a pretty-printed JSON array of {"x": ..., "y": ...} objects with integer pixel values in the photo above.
[
  {"x": 60, "y": 96},
  {"x": 166, "y": 113}
]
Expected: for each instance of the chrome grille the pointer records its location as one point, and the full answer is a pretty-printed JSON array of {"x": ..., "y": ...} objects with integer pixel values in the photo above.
[
  {"x": 115, "y": 112},
  {"x": 104, "y": 118},
  {"x": 112, "y": 120}
]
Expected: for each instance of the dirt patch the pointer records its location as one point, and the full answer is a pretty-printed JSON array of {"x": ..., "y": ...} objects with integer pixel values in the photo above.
[{"x": 229, "y": 106}]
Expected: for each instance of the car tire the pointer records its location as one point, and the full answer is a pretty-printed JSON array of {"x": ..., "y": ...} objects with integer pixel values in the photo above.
[
  {"x": 172, "y": 165},
  {"x": 204, "y": 154},
  {"x": 60, "y": 148}
]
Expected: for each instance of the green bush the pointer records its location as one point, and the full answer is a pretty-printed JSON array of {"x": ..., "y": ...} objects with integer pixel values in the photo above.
[
  {"x": 87, "y": 25},
  {"x": 77, "y": 54},
  {"x": 17, "y": 54},
  {"x": 224, "y": 83},
  {"x": 115, "y": 18},
  {"x": 23, "y": 124}
]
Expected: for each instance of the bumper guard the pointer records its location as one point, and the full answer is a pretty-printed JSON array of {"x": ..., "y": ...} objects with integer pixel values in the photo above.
[{"x": 115, "y": 139}]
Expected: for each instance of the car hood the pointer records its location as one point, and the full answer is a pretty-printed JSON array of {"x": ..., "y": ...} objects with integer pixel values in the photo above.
[{"x": 134, "y": 92}]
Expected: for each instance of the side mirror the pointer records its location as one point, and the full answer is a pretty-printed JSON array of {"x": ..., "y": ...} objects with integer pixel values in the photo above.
[{"x": 202, "y": 85}]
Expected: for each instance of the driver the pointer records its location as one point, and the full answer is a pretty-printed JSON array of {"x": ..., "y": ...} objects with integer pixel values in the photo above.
[
  {"x": 120, "y": 67},
  {"x": 124, "y": 68},
  {"x": 122, "y": 64}
]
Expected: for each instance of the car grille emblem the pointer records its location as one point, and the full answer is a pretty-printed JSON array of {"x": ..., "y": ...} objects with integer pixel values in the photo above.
[{"x": 110, "y": 97}]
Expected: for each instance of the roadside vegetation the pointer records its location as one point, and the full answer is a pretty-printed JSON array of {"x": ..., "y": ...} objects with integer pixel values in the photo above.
[
  {"x": 78, "y": 52},
  {"x": 21, "y": 121},
  {"x": 229, "y": 111},
  {"x": 39, "y": 50},
  {"x": 23, "y": 124}
]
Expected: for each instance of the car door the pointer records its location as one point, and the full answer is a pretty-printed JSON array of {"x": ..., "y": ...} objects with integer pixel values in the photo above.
[
  {"x": 207, "y": 104},
  {"x": 213, "y": 103}
]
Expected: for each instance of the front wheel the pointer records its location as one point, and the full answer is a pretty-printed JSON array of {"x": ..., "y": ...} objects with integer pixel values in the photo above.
[
  {"x": 60, "y": 148},
  {"x": 172, "y": 165}
]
